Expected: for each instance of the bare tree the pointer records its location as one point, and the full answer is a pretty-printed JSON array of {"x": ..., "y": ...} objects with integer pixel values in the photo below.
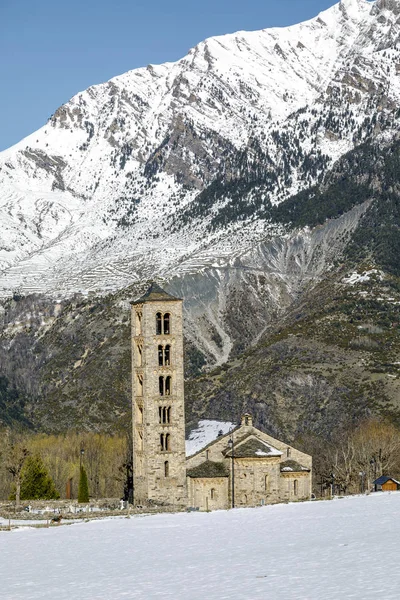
[
  {"x": 16, "y": 455},
  {"x": 377, "y": 445},
  {"x": 344, "y": 464}
]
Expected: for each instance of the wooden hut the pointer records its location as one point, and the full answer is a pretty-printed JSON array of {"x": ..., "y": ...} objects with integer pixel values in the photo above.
[{"x": 386, "y": 484}]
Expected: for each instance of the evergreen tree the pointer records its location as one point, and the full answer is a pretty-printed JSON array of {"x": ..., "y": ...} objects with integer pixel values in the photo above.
[
  {"x": 83, "y": 490},
  {"x": 36, "y": 483}
]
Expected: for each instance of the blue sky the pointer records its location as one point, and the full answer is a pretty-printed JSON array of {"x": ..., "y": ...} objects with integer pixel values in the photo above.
[{"x": 52, "y": 50}]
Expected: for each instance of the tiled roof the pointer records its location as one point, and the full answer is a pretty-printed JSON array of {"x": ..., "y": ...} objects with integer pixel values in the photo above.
[
  {"x": 292, "y": 466},
  {"x": 253, "y": 448},
  {"x": 153, "y": 294},
  {"x": 208, "y": 469}
]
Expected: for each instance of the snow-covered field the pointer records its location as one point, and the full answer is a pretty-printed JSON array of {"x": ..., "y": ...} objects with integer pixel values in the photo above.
[{"x": 347, "y": 548}]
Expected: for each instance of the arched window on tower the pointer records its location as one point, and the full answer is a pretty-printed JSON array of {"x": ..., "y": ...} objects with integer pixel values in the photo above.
[
  {"x": 167, "y": 319},
  {"x": 166, "y": 469},
  {"x": 161, "y": 385},
  {"x": 168, "y": 385},
  {"x": 139, "y": 384},
  {"x": 159, "y": 323},
  {"x": 140, "y": 355},
  {"x": 138, "y": 323},
  {"x": 164, "y": 355},
  {"x": 165, "y": 442},
  {"x": 164, "y": 415},
  {"x": 167, "y": 355},
  {"x": 160, "y": 356}
]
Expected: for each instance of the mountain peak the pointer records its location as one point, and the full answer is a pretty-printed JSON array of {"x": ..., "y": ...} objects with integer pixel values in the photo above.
[
  {"x": 110, "y": 189},
  {"x": 353, "y": 7}
]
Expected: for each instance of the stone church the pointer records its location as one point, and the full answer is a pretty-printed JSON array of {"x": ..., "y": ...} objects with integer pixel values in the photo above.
[{"x": 245, "y": 467}]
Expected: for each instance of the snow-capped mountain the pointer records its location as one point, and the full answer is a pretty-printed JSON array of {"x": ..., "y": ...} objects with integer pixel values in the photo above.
[{"x": 111, "y": 190}]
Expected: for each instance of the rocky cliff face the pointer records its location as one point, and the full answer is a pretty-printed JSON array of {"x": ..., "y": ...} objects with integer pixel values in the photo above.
[{"x": 242, "y": 177}]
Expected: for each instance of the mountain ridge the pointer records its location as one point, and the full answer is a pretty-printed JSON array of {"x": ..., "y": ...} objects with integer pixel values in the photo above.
[
  {"x": 98, "y": 181},
  {"x": 249, "y": 206}
]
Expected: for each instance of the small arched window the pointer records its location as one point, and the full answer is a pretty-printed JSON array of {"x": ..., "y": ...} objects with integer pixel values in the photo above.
[
  {"x": 166, "y": 324},
  {"x": 165, "y": 442},
  {"x": 166, "y": 469},
  {"x": 158, "y": 323},
  {"x": 288, "y": 452},
  {"x": 164, "y": 414},
  {"x": 266, "y": 483},
  {"x": 164, "y": 355},
  {"x": 138, "y": 323},
  {"x": 212, "y": 493},
  {"x": 295, "y": 487},
  {"x": 139, "y": 355},
  {"x": 167, "y": 355},
  {"x": 164, "y": 385},
  {"x": 139, "y": 384},
  {"x": 160, "y": 356}
]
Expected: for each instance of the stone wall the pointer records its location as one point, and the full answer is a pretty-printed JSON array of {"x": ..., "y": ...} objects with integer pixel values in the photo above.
[{"x": 208, "y": 493}]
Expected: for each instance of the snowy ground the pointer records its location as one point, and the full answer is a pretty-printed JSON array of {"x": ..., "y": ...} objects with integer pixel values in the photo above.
[{"x": 347, "y": 548}]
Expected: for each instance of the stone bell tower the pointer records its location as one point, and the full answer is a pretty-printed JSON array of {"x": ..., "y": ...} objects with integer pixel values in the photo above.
[{"x": 159, "y": 459}]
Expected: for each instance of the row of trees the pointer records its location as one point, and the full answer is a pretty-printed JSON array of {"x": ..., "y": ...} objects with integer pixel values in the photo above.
[
  {"x": 351, "y": 460},
  {"x": 34, "y": 466},
  {"x": 43, "y": 466}
]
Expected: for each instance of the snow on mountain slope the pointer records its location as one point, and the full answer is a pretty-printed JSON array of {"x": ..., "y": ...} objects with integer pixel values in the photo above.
[{"x": 97, "y": 197}]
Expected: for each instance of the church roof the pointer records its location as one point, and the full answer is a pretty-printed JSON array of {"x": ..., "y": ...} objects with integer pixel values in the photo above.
[
  {"x": 208, "y": 469},
  {"x": 154, "y": 294},
  {"x": 253, "y": 448},
  {"x": 292, "y": 466}
]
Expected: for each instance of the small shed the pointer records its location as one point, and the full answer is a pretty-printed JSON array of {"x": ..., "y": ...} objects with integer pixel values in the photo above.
[{"x": 386, "y": 484}]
